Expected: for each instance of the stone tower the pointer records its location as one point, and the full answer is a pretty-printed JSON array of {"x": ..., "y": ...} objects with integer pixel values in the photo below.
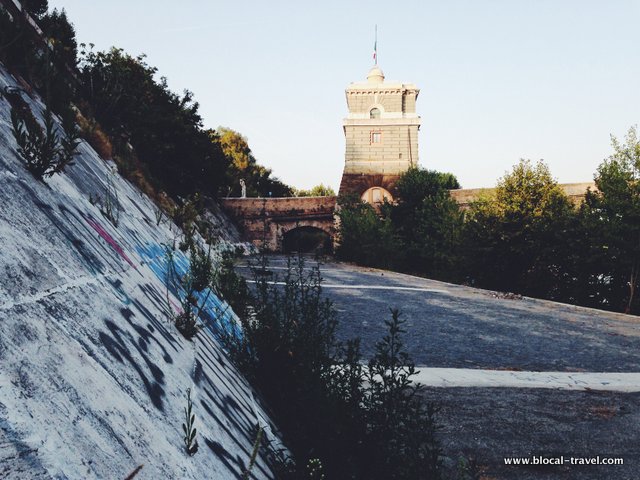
[{"x": 381, "y": 133}]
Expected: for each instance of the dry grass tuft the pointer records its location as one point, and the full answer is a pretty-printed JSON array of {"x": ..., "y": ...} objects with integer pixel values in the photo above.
[{"x": 92, "y": 132}]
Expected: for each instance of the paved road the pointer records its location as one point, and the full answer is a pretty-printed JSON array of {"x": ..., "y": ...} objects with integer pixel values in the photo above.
[
  {"x": 454, "y": 326},
  {"x": 466, "y": 329}
]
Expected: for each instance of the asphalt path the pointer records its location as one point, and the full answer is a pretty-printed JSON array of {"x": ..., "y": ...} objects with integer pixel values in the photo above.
[
  {"x": 455, "y": 326},
  {"x": 573, "y": 368}
]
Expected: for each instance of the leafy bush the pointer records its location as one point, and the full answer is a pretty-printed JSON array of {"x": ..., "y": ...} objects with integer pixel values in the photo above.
[
  {"x": 187, "y": 287},
  {"x": 419, "y": 233},
  {"x": 231, "y": 286},
  {"x": 517, "y": 240},
  {"x": 91, "y": 131},
  {"x": 366, "y": 236},
  {"x": 401, "y": 428},
  {"x": 45, "y": 151},
  {"x": 340, "y": 418},
  {"x": 189, "y": 439},
  {"x": 110, "y": 204},
  {"x": 185, "y": 216}
]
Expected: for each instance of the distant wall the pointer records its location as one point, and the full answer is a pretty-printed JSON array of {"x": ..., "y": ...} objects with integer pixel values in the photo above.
[
  {"x": 264, "y": 221},
  {"x": 279, "y": 206},
  {"x": 465, "y": 196}
]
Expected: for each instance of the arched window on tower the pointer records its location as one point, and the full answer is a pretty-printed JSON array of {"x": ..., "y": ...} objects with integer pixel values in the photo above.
[
  {"x": 374, "y": 113},
  {"x": 376, "y": 195}
]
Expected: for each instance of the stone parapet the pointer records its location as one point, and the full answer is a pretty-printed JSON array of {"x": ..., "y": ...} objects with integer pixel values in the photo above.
[
  {"x": 466, "y": 196},
  {"x": 264, "y": 221}
]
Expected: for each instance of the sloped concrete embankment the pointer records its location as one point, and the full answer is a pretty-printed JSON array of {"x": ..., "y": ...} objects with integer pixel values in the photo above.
[{"x": 92, "y": 374}]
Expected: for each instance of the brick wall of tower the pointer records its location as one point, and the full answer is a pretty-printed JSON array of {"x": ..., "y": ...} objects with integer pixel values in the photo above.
[{"x": 397, "y": 149}]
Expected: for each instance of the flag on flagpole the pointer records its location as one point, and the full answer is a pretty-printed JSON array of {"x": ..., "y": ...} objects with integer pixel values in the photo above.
[{"x": 375, "y": 48}]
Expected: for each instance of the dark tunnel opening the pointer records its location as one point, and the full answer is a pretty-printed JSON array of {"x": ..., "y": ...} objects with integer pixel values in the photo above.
[{"x": 307, "y": 239}]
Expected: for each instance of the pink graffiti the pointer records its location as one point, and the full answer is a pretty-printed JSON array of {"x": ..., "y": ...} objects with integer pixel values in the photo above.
[
  {"x": 178, "y": 308},
  {"x": 109, "y": 239}
]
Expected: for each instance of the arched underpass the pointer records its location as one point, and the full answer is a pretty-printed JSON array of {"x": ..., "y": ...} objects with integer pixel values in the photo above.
[
  {"x": 307, "y": 239},
  {"x": 270, "y": 222}
]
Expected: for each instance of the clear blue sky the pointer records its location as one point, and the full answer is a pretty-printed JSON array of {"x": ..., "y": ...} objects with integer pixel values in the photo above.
[{"x": 500, "y": 80}]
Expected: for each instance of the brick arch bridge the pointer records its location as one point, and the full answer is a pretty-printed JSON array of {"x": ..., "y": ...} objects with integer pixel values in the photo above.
[{"x": 270, "y": 219}]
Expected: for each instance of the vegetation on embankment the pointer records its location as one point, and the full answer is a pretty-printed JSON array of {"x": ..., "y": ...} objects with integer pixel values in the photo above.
[
  {"x": 128, "y": 113},
  {"x": 340, "y": 417},
  {"x": 527, "y": 237}
]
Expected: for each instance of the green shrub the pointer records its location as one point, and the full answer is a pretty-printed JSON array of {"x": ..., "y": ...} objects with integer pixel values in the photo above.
[
  {"x": 110, "y": 205},
  {"x": 189, "y": 438},
  {"x": 401, "y": 427},
  {"x": 231, "y": 286},
  {"x": 44, "y": 150},
  {"x": 366, "y": 236},
  {"x": 194, "y": 287},
  {"x": 339, "y": 418}
]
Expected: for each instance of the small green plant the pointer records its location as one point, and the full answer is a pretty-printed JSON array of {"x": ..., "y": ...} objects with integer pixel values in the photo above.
[
  {"x": 110, "y": 207},
  {"x": 186, "y": 322},
  {"x": 187, "y": 287},
  {"x": 254, "y": 453},
  {"x": 44, "y": 150},
  {"x": 159, "y": 214},
  {"x": 399, "y": 421},
  {"x": 232, "y": 286},
  {"x": 190, "y": 441},
  {"x": 186, "y": 217}
]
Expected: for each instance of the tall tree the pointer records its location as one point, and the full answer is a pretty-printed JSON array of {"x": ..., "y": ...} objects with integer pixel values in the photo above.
[
  {"x": 242, "y": 165},
  {"x": 612, "y": 213},
  {"x": 514, "y": 239},
  {"x": 320, "y": 190},
  {"x": 62, "y": 35},
  {"x": 428, "y": 221},
  {"x": 164, "y": 128}
]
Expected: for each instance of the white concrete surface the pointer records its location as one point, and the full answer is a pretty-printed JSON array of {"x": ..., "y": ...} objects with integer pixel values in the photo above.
[{"x": 468, "y": 377}]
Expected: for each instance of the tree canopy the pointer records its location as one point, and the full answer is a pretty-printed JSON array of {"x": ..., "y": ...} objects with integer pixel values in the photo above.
[
  {"x": 511, "y": 239},
  {"x": 419, "y": 233},
  {"x": 319, "y": 190},
  {"x": 612, "y": 214},
  {"x": 164, "y": 128},
  {"x": 242, "y": 165}
]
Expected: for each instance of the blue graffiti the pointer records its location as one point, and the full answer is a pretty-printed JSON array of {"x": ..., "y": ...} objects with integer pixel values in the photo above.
[{"x": 216, "y": 314}]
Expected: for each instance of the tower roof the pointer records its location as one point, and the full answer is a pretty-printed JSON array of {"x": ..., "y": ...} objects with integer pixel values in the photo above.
[
  {"x": 377, "y": 81},
  {"x": 376, "y": 75}
]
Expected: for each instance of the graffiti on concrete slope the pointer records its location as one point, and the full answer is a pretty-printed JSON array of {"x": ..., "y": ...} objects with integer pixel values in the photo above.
[{"x": 216, "y": 314}]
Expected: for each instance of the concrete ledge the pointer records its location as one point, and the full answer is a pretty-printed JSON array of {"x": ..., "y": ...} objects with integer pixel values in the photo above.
[{"x": 468, "y": 377}]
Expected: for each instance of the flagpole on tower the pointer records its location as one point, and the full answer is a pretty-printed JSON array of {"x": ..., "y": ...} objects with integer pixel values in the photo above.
[{"x": 375, "y": 47}]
